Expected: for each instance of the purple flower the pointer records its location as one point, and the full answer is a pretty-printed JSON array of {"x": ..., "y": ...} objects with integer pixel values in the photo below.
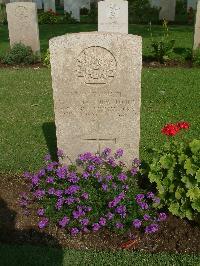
[
  {"x": 64, "y": 221},
  {"x": 96, "y": 227},
  {"x": 51, "y": 166},
  {"x": 41, "y": 173},
  {"x": 108, "y": 177},
  {"x": 85, "y": 157},
  {"x": 72, "y": 189},
  {"x": 96, "y": 160},
  {"x": 134, "y": 171},
  {"x": 35, "y": 180},
  {"x": 27, "y": 175},
  {"x": 111, "y": 161},
  {"x": 119, "y": 225},
  {"x": 156, "y": 200},
  {"x": 137, "y": 162},
  {"x": 152, "y": 228},
  {"x": 84, "y": 222},
  {"x": 88, "y": 209},
  {"x": 60, "y": 153},
  {"x": 78, "y": 213},
  {"x": 122, "y": 177},
  {"x": 121, "y": 209},
  {"x": 146, "y": 217},
  {"x": 74, "y": 231},
  {"x": 137, "y": 223},
  {"x": 58, "y": 192},
  {"x": 104, "y": 187},
  {"x": 43, "y": 223},
  {"x": 41, "y": 212},
  {"x": 24, "y": 195},
  {"x": 23, "y": 203},
  {"x": 102, "y": 221},
  {"x": 116, "y": 200},
  {"x": 50, "y": 180},
  {"x": 150, "y": 195},
  {"x": 85, "y": 175},
  {"x": 85, "y": 196},
  {"x": 143, "y": 205},
  {"x": 51, "y": 191},
  {"x": 139, "y": 197},
  {"x": 61, "y": 172},
  {"x": 106, "y": 152},
  {"x": 162, "y": 217},
  {"x": 119, "y": 153},
  {"x": 91, "y": 168},
  {"x": 73, "y": 178},
  {"x": 110, "y": 215},
  {"x": 85, "y": 230},
  {"x": 47, "y": 157},
  {"x": 39, "y": 193},
  {"x": 59, "y": 203},
  {"x": 69, "y": 200}
]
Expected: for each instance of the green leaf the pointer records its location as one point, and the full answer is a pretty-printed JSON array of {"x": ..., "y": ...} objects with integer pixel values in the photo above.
[
  {"x": 188, "y": 181},
  {"x": 195, "y": 146},
  {"x": 193, "y": 193},
  {"x": 197, "y": 177},
  {"x": 167, "y": 161},
  {"x": 190, "y": 167},
  {"x": 174, "y": 208},
  {"x": 196, "y": 205}
]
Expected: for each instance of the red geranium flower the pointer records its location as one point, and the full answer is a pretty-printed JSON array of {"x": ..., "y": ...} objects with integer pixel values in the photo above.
[
  {"x": 183, "y": 125},
  {"x": 170, "y": 129}
]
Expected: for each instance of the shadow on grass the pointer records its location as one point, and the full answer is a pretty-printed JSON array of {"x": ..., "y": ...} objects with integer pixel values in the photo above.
[
  {"x": 49, "y": 130},
  {"x": 37, "y": 246}
]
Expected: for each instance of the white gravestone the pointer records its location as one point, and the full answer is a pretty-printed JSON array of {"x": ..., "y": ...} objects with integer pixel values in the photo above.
[
  {"x": 49, "y": 5},
  {"x": 168, "y": 10},
  {"x": 192, "y": 4},
  {"x": 23, "y": 24},
  {"x": 74, "y": 6},
  {"x": 97, "y": 92},
  {"x": 113, "y": 16},
  {"x": 197, "y": 28}
]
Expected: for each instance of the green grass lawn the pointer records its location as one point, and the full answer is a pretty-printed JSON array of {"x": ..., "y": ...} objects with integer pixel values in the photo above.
[
  {"x": 182, "y": 34},
  {"x": 27, "y": 118},
  {"x": 37, "y": 256}
]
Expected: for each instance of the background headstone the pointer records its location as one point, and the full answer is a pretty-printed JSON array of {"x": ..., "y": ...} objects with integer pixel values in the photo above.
[
  {"x": 113, "y": 16},
  {"x": 197, "y": 28},
  {"x": 168, "y": 10},
  {"x": 155, "y": 3},
  {"x": 97, "y": 91},
  {"x": 73, "y": 7},
  {"x": 192, "y": 4},
  {"x": 49, "y": 5},
  {"x": 23, "y": 24}
]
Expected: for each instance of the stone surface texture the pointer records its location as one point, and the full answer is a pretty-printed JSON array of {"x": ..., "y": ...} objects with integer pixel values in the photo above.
[
  {"x": 97, "y": 92},
  {"x": 113, "y": 16},
  {"x": 23, "y": 24},
  {"x": 168, "y": 10},
  {"x": 197, "y": 28}
]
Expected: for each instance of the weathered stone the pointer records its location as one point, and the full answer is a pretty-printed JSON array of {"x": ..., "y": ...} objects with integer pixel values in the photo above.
[
  {"x": 97, "y": 85},
  {"x": 113, "y": 16},
  {"x": 23, "y": 24},
  {"x": 168, "y": 10},
  {"x": 197, "y": 28}
]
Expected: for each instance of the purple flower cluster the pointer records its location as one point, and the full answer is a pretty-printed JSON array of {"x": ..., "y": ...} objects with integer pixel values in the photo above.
[{"x": 116, "y": 200}]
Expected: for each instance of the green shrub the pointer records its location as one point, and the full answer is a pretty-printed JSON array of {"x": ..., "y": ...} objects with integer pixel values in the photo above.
[
  {"x": 46, "y": 59},
  {"x": 175, "y": 170},
  {"x": 47, "y": 17},
  {"x": 3, "y": 17},
  {"x": 164, "y": 47},
  {"x": 20, "y": 54}
]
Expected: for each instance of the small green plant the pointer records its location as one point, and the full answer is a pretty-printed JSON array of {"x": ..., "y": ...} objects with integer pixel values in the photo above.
[
  {"x": 20, "y": 54},
  {"x": 46, "y": 59},
  {"x": 3, "y": 17},
  {"x": 162, "y": 48},
  {"x": 196, "y": 57},
  {"x": 175, "y": 170},
  {"x": 49, "y": 17}
]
